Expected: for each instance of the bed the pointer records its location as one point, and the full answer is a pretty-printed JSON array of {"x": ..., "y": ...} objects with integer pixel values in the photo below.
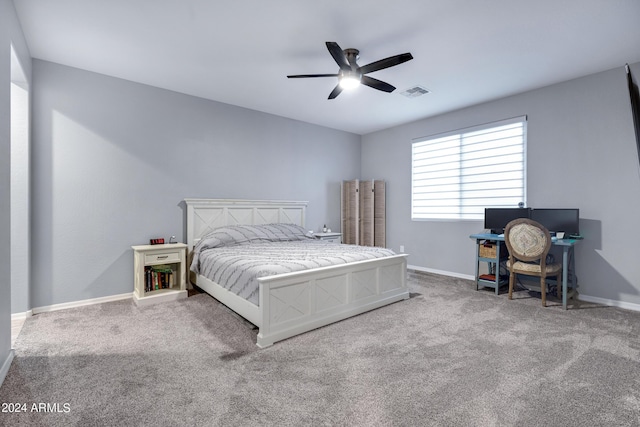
[{"x": 289, "y": 303}]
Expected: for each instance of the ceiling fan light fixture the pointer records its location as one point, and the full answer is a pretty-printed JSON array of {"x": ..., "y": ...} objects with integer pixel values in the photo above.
[{"x": 349, "y": 80}]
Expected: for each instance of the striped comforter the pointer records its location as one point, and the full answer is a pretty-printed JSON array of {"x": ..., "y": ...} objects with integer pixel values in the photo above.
[{"x": 237, "y": 266}]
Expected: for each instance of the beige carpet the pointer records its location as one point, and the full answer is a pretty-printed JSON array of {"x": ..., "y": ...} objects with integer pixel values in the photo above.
[{"x": 448, "y": 356}]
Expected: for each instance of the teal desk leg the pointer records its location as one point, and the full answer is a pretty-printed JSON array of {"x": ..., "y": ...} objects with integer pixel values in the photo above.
[
  {"x": 497, "y": 267},
  {"x": 565, "y": 274},
  {"x": 477, "y": 262},
  {"x": 572, "y": 267}
]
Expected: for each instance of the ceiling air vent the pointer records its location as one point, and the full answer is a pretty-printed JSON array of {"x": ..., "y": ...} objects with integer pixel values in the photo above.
[{"x": 415, "y": 91}]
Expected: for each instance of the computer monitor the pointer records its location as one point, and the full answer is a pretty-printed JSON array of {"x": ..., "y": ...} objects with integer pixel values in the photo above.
[
  {"x": 496, "y": 219},
  {"x": 566, "y": 220}
]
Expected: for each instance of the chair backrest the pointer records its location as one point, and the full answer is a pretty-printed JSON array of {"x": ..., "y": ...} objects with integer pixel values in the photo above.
[{"x": 527, "y": 240}]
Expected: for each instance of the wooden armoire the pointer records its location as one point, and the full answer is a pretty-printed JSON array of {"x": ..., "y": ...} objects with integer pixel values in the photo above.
[{"x": 363, "y": 212}]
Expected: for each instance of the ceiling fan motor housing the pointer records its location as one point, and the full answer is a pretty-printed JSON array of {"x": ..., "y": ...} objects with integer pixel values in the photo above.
[{"x": 352, "y": 56}]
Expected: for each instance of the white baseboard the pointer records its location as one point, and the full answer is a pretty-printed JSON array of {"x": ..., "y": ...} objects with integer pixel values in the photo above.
[
  {"x": 441, "y": 272},
  {"x": 21, "y": 316},
  {"x": 4, "y": 370},
  {"x": 609, "y": 302},
  {"x": 81, "y": 303}
]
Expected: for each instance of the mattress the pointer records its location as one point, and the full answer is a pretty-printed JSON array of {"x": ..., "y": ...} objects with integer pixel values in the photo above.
[{"x": 236, "y": 263}]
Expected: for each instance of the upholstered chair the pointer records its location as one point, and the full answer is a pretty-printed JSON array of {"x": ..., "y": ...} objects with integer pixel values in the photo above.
[{"x": 528, "y": 243}]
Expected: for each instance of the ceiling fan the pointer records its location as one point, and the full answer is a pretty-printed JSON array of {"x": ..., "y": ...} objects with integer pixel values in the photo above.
[{"x": 351, "y": 74}]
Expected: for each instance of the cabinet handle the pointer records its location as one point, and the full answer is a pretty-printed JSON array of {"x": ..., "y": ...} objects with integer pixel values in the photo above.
[{"x": 163, "y": 256}]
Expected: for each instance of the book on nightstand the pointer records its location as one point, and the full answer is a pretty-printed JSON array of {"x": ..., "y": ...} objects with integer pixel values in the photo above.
[{"x": 158, "y": 277}]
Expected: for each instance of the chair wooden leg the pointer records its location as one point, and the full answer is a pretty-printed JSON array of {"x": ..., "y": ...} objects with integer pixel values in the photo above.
[
  {"x": 511, "y": 279},
  {"x": 543, "y": 290}
]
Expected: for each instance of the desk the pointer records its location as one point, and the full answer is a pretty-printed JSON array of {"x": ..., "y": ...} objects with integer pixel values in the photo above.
[{"x": 567, "y": 261}]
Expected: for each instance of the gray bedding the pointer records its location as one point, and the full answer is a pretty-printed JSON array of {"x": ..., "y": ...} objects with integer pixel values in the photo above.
[{"x": 235, "y": 257}]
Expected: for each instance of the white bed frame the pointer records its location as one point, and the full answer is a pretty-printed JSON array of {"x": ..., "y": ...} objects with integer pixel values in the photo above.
[{"x": 297, "y": 302}]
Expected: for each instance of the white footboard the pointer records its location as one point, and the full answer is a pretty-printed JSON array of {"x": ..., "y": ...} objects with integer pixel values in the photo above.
[{"x": 298, "y": 302}]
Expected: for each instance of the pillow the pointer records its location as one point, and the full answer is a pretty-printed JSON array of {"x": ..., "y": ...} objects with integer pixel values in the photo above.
[
  {"x": 242, "y": 234},
  {"x": 286, "y": 232},
  {"x": 231, "y": 235}
]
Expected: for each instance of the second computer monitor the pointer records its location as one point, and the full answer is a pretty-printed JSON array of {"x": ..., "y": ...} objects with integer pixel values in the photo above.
[{"x": 566, "y": 220}]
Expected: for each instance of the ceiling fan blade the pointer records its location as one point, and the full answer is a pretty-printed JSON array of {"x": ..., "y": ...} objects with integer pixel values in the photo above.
[
  {"x": 336, "y": 91},
  {"x": 377, "y": 84},
  {"x": 338, "y": 55},
  {"x": 386, "y": 63},
  {"x": 304, "y": 76}
]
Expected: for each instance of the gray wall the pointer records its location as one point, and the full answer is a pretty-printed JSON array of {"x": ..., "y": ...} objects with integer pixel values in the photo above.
[
  {"x": 113, "y": 160},
  {"x": 10, "y": 33},
  {"x": 20, "y": 188},
  {"x": 581, "y": 153}
]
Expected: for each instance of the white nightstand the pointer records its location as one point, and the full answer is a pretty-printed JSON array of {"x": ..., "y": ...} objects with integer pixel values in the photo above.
[
  {"x": 160, "y": 273},
  {"x": 330, "y": 237}
]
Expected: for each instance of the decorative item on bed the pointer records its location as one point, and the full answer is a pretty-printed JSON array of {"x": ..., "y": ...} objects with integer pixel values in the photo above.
[{"x": 277, "y": 276}]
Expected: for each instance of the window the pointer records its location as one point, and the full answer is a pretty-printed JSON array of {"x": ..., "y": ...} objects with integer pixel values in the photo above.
[{"x": 458, "y": 174}]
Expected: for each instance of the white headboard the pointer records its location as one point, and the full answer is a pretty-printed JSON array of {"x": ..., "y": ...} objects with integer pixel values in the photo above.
[{"x": 204, "y": 215}]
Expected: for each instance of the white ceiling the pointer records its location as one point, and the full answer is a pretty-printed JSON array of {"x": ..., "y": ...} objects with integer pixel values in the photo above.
[{"x": 239, "y": 52}]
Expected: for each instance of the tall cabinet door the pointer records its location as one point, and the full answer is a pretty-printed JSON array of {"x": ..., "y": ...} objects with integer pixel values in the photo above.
[
  {"x": 366, "y": 213},
  {"x": 349, "y": 212},
  {"x": 379, "y": 214}
]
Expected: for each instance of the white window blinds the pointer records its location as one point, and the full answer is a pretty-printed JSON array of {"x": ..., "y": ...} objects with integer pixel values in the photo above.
[{"x": 458, "y": 174}]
